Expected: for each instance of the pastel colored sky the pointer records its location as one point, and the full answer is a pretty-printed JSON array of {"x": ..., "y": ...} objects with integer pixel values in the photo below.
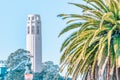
[{"x": 13, "y": 15}]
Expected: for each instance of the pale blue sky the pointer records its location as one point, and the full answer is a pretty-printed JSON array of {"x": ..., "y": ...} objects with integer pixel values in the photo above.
[{"x": 13, "y": 14}]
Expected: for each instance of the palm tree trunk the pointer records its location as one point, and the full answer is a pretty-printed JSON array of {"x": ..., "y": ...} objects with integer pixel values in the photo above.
[
  {"x": 92, "y": 77},
  {"x": 108, "y": 69},
  {"x": 119, "y": 73},
  {"x": 96, "y": 73},
  {"x": 117, "y": 77},
  {"x": 114, "y": 77}
]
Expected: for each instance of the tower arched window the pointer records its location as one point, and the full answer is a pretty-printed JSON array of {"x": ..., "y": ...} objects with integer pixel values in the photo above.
[
  {"x": 28, "y": 18},
  {"x": 32, "y": 30},
  {"x": 28, "y": 29},
  {"x": 37, "y": 30},
  {"x": 32, "y": 18}
]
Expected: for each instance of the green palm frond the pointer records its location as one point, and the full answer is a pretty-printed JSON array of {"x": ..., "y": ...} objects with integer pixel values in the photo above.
[{"x": 72, "y": 26}]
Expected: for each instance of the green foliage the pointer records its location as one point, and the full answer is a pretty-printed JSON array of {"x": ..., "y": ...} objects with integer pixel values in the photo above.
[
  {"x": 49, "y": 70},
  {"x": 15, "y": 59}
]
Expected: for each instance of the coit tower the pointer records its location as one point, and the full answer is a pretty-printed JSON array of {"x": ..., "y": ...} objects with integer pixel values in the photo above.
[{"x": 34, "y": 41}]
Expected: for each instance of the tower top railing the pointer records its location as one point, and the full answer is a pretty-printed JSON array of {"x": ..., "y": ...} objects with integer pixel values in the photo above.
[{"x": 33, "y": 17}]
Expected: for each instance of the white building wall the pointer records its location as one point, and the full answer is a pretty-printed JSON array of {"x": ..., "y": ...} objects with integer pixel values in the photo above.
[{"x": 34, "y": 42}]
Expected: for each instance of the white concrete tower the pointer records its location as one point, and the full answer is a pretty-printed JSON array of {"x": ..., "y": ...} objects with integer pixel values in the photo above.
[{"x": 34, "y": 41}]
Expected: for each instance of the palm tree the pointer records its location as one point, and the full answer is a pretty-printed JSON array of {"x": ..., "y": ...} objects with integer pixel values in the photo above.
[{"x": 92, "y": 51}]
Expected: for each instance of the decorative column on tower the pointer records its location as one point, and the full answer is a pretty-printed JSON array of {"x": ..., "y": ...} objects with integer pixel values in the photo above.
[{"x": 34, "y": 41}]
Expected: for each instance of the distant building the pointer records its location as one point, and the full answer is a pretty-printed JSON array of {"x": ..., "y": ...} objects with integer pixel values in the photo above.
[
  {"x": 3, "y": 69},
  {"x": 34, "y": 41}
]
